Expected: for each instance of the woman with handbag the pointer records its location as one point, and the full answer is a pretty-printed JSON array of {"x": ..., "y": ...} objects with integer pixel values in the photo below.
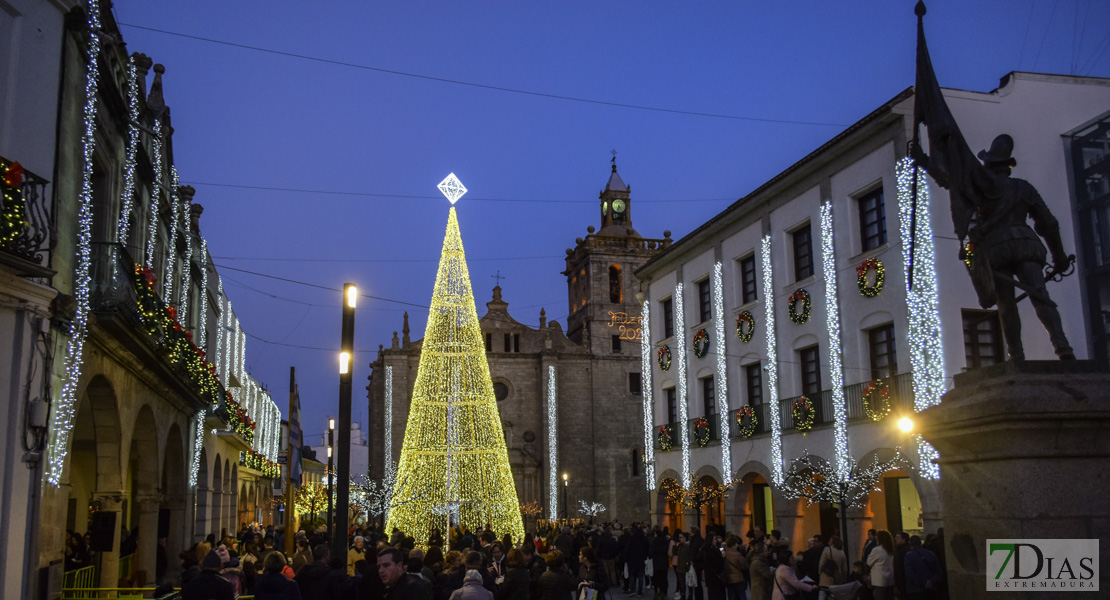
[
  {"x": 833, "y": 565},
  {"x": 787, "y": 585}
]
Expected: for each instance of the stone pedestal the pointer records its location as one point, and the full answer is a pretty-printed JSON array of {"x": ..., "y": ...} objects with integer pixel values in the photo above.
[{"x": 1024, "y": 449}]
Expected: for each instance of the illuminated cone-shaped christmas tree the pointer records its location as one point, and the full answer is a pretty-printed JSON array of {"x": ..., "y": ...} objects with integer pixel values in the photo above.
[{"x": 454, "y": 468}]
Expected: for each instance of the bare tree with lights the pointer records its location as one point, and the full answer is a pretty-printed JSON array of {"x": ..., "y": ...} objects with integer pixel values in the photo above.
[
  {"x": 698, "y": 496},
  {"x": 817, "y": 480},
  {"x": 590, "y": 509}
]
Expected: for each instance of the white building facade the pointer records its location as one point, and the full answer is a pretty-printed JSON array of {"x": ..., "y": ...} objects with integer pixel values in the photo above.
[{"x": 783, "y": 283}]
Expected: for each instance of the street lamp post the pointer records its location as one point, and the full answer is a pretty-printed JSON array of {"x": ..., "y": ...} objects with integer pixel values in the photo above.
[
  {"x": 331, "y": 471},
  {"x": 566, "y": 483},
  {"x": 343, "y": 462}
]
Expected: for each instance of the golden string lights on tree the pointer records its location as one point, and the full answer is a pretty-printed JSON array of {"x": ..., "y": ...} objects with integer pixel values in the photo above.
[{"x": 454, "y": 467}]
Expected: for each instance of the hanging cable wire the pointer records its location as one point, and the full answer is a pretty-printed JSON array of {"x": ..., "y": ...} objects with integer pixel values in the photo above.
[{"x": 476, "y": 85}]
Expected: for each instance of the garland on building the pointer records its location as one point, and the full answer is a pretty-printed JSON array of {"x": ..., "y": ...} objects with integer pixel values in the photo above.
[
  {"x": 748, "y": 428},
  {"x": 239, "y": 420},
  {"x": 701, "y": 343},
  {"x": 701, "y": 432},
  {"x": 799, "y": 294},
  {"x": 666, "y": 442},
  {"x": 968, "y": 253},
  {"x": 745, "y": 318},
  {"x": 664, "y": 357},
  {"x": 876, "y": 400},
  {"x": 804, "y": 415},
  {"x": 14, "y": 218},
  {"x": 870, "y": 291},
  {"x": 258, "y": 462},
  {"x": 162, "y": 325}
]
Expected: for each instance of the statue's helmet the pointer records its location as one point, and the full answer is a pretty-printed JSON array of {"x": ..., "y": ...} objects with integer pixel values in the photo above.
[{"x": 1001, "y": 151}]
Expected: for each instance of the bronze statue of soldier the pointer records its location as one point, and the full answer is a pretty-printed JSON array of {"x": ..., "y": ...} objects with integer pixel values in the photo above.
[{"x": 1003, "y": 251}]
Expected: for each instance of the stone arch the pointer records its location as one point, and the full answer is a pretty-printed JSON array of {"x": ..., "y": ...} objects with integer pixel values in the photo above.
[
  {"x": 803, "y": 341},
  {"x": 710, "y": 515},
  {"x": 146, "y": 499},
  {"x": 752, "y": 498},
  {"x": 95, "y": 466},
  {"x": 668, "y": 513},
  {"x": 174, "y": 493},
  {"x": 877, "y": 513},
  {"x": 798, "y": 519}
]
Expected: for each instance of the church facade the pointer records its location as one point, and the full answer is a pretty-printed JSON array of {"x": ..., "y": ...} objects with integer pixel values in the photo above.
[{"x": 588, "y": 425}]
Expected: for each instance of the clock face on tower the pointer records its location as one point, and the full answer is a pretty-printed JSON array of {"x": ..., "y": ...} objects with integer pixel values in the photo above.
[{"x": 618, "y": 208}]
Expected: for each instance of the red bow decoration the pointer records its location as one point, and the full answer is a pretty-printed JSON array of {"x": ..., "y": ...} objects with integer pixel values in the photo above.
[{"x": 13, "y": 176}]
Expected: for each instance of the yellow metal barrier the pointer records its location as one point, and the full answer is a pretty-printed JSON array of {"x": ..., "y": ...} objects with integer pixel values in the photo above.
[
  {"x": 125, "y": 565},
  {"x": 69, "y": 593},
  {"x": 79, "y": 579}
]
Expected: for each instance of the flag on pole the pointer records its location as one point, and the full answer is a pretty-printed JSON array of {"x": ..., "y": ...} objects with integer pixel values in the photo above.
[{"x": 950, "y": 158}]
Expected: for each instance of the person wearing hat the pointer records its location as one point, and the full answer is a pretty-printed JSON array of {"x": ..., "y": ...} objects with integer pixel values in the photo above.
[
  {"x": 208, "y": 585},
  {"x": 992, "y": 208}
]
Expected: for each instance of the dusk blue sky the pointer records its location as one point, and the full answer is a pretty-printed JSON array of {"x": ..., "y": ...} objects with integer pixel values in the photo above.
[{"x": 794, "y": 74}]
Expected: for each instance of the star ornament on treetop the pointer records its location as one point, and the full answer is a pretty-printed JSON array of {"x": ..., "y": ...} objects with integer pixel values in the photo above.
[{"x": 452, "y": 188}]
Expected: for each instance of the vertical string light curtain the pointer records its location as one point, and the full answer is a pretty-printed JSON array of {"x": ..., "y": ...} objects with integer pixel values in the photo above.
[
  {"x": 722, "y": 369},
  {"x": 926, "y": 355},
  {"x": 772, "y": 363},
  {"x": 648, "y": 391},
  {"x": 65, "y": 407},
  {"x": 683, "y": 410},
  {"x": 832, "y": 326}
]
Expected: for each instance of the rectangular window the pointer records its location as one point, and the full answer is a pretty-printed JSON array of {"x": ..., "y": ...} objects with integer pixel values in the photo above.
[
  {"x": 872, "y": 220},
  {"x": 672, "y": 405},
  {"x": 634, "y": 385},
  {"x": 884, "y": 361},
  {"x": 754, "y": 379},
  {"x": 516, "y": 342},
  {"x": 982, "y": 338},
  {"x": 636, "y": 462},
  {"x": 747, "y": 277},
  {"x": 803, "y": 254},
  {"x": 616, "y": 344},
  {"x": 508, "y": 342},
  {"x": 668, "y": 318},
  {"x": 705, "y": 305},
  {"x": 489, "y": 342},
  {"x": 708, "y": 397},
  {"x": 811, "y": 372}
]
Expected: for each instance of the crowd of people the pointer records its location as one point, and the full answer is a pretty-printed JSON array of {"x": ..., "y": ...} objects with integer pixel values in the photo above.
[{"x": 579, "y": 562}]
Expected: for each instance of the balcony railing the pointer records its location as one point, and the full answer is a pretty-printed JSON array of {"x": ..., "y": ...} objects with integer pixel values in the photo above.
[{"x": 26, "y": 224}]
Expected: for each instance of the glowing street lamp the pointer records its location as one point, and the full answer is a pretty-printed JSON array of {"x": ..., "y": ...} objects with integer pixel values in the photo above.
[
  {"x": 566, "y": 484},
  {"x": 343, "y": 460},
  {"x": 905, "y": 424}
]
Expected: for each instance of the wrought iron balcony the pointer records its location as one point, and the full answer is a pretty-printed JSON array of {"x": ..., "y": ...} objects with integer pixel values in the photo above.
[{"x": 26, "y": 222}]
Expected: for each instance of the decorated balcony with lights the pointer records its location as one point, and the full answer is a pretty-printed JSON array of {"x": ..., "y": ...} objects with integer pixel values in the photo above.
[{"x": 27, "y": 233}]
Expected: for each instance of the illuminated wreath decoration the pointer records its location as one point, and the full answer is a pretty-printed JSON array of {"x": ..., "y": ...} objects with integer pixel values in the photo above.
[
  {"x": 741, "y": 319},
  {"x": 701, "y": 432},
  {"x": 870, "y": 291},
  {"x": 701, "y": 343},
  {"x": 665, "y": 440},
  {"x": 748, "y": 429},
  {"x": 799, "y": 294},
  {"x": 872, "y": 390},
  {"x": 665, "y": 358},
  {"x": 804, "y": 415}
]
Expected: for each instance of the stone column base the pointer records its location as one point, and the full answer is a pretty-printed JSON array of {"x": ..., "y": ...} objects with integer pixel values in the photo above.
[{"x": 1024, "y": 449}]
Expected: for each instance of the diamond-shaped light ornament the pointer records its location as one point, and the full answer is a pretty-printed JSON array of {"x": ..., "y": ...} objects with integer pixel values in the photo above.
[{"x": 452, "y": 188}]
